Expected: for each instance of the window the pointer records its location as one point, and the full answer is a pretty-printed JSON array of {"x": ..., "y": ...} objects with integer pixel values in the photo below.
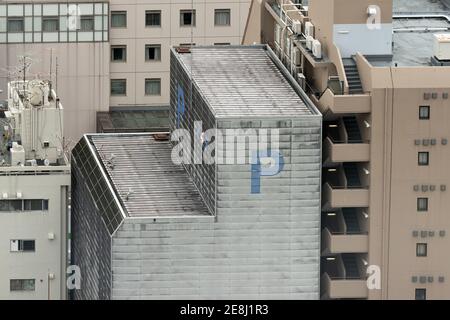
[
  {"x": 152, "y": 87},
  {"x": 22, "y": 284},
  {"x": 421, "y": 250},
  {"x": 153, "y": 52},
  {"x": 118, "y": 19},
  {"x": 86, "y": 23},
  {"x": 424, "y": 158},
  {"x": 153, "y": 18},
  {"x": 22, "y": 245},
  {"x": 50, "y": 24},
  {"x": 421, "y": 294},
  {"x": 222, "y": 44},
  {"x": 15, "y": 24},
  {"x": 23, "y": 205},
  {"x": 118, "y": 53},
  {"x": 222, "y": 17},
  {"x": 118, "y": 87},
  {"x": 422, "y": 204},
  {"x": 187, "y": 18},
  {"x": 424, "y": 112},
  {"x": 187, "y": 45}
]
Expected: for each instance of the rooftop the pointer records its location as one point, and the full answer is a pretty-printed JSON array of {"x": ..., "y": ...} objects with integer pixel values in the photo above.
[
  {"x": 147, "y": 182},
  {"x": 415, "y": 23},
  {"x": 245, "y": 81},
  {"x": 148, "y": 120}
]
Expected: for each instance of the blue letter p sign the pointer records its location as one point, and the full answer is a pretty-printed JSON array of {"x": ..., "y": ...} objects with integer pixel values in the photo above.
[{"x": 276, "y": 161}]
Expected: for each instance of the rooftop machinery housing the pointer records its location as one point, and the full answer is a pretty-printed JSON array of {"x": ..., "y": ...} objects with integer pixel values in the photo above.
[
  {"x": 145, "y": 227},
  {"x": 34, "y": 187}
]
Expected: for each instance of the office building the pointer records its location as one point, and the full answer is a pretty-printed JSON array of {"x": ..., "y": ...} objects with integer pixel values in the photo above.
[
  {"x": 102, "y": 54},
  {"x": 34, "y": 191},
  {"x": 379, "y": 73},
  {"x": 144, "y": 227}
]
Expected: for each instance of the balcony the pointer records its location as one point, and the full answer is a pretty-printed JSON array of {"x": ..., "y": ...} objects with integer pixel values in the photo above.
[
  {"x": 331, "y": 105},
  {"x": 345, "y": 231},
  {"x": 344, "y": 142},
  {"x": 345, "y": 186},
  {"x": 344, "y": 277}
]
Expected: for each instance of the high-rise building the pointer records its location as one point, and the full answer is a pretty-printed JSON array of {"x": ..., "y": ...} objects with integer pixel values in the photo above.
[
  {"x": 102, "y": 54},
  {"x": 379, "y": 73},
  {"x": 146, "y": 227},
  {"x": 34, "y": 191}
]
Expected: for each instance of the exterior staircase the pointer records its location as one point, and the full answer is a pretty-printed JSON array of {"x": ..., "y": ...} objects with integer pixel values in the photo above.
[{"x": 353, "y": 79}]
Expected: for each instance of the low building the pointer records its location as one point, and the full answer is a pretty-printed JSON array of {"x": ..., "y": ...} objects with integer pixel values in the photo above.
[{"x": 34, "y": 190}]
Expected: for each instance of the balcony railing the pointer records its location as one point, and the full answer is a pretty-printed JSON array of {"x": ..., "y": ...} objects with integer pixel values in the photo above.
[
  {"x": 345, "y": 242},
  {"x": 342, "y": 151},
  {"x": 344, "y": 104},
  {"x": 343, "y": 288},
  {"x": 344, "y": 197}
]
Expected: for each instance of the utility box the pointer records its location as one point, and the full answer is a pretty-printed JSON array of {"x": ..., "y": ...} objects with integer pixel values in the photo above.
[
  {"x": 442, "y": 46},
  {"x": 240, "y": 107}
]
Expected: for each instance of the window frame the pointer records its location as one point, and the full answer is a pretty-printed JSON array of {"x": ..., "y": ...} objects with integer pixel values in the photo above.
[
  {"x": 423, "y": 291},
  {"x": 86, "y": 17},
  {"x": 13, "y": 18},
  {"x": 148, "y": 46},
  {"x": 21, "y": 245},
  {"x": 118, "y": 94},
  {"x": 119, "y": 12},
  {"x": 419, "y": 160},
  {"x": 22, "y": 286},
  {"x": 56, "y": 18},
  {"x": 419, "y": 253},
  {"x": 159, "y": 12},
  {"x": 193, "y": 13},
  {"x": 427, "y": 117},
  {"x": 124, "y": 48},
  {"x": 419, "y": 208},
  {"x": 222, "y": 11},
  {"x": 145, "y": 87}
]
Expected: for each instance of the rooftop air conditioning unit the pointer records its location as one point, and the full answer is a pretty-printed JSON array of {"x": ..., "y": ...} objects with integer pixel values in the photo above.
[
  {"x": 297, "y": 27},
  {"x": 309, "y": 29},
  {"x": 442, "y": 46},
  {"x": 309, "y": 42},
  {"x": 317, "y": 49}
]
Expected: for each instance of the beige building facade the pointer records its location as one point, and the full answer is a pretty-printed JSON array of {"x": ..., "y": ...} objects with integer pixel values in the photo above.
[
  {"x": 103, "y": 54},
  {"x": 371, "y": 68}
]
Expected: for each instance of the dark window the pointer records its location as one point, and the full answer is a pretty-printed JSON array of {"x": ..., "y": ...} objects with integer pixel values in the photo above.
[
  {"x": 34, "y": 205},
  {"x": 15, "y": 24},
  {"x": 424, "y": 112},
  {"x": 86, "y": 23},
  {"x": 22, "y": 285},
  {"x": 222, "y": 44},
  {"x": 153, "y": 52},
  {"x": 421, "y": 294},
  {"x": 187, "y": 18},
  {"x": 119, "y": 53},
  {"x": 222, "y": 17},
  {"x": 421, "y": 250},
  {"x": 118, "y": 19},
  {"x": 152, "y": 18},
  {"x": 22, "y": 246},
  {"x": 153, "y": 87},
  {"x": 118, "y": 87},
  {"x": 50, "y": 24},
  {"x": 422, "y": 204},
  {"x": 424, "y": 158}
]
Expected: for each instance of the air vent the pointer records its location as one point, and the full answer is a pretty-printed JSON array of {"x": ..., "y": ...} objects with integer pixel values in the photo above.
[
  {"x": 426, "y": 142},
  {"x": 430, "y": 279},
  {"x": 445, "y": 96},
  {"x": 427, "y": 96},
  {"x": 431, "y": 233},
  {"x": 417, "y": 142},
  {"x": 414, "y": 279},
  {"x": 433, "y": 142},
  {"x": 423, "y": 279},
  {"x": 432, "y": 187},
  {"x": 415, "y": 233},
  {"x": 423, "y": 234},
  {"x": 434, "y": 95},
  {"x": 424, "y": 188},
  {"x": 441, "y": 279},
  {"x": 442, "y": 233},
  {"x": 444, "y": 142},
  {"x": 416, "y": 188},
  {"x": 443, "y": 187}
]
